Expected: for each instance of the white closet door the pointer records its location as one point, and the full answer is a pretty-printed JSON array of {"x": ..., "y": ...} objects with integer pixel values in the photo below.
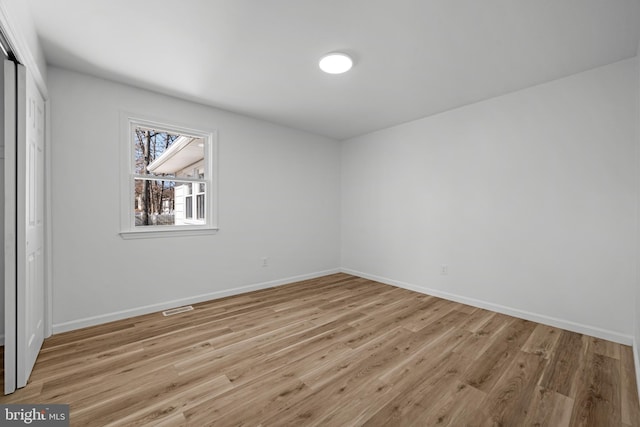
[
  {"x": 24, "y": 121},
  {"x": 30, "y": 227}
]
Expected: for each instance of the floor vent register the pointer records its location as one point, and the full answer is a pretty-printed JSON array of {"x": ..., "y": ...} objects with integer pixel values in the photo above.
[{"x": 177, "y": 310}]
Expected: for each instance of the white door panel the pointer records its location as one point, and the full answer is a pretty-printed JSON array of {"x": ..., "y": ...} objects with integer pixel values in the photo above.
[{"x": 30, "y": 209}]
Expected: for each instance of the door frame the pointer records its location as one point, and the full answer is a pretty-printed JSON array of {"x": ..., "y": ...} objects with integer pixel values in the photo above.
[{"x": 10, "y": 206}]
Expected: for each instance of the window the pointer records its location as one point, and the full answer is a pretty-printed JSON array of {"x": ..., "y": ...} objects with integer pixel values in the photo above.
[{"x": 167, "y": 185}]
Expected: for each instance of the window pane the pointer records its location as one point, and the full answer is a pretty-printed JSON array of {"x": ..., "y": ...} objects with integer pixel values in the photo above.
[
  {"x": 188, "y": 204},
  {"x": 161, "y": 153},
  {"x": 200, "y": 206},
  {"x": 154, "y": 202}
]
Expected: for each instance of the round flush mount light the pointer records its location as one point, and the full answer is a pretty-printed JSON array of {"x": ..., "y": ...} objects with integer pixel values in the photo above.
[{"x": 336, "y": 63}]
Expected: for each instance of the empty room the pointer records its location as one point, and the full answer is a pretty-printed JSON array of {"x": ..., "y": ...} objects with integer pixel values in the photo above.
[{"x": 320, "y": 212}]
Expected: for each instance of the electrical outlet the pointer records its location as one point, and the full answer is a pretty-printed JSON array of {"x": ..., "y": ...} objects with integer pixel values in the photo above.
[
  {"x": 444, "y": 270},
  {"x": 265, "y": 262}
]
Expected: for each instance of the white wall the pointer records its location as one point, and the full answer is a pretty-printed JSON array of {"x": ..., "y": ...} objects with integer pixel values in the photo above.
[
  {"x": 528, "y": 198},
  {"x": 278, "y": 198}
]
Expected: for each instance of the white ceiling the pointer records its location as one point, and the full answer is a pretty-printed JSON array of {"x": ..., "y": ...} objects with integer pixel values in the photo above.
[{"x": 413, "y": 58}]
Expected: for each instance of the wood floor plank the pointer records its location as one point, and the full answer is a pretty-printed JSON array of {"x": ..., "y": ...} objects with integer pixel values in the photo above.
[
  {"x": 435, "y": 341},
  {"x": 486, "y": 370},
  {"x": 428, "y": 315},
  {"x": 350, "y": 380},
  {"x": 414, "y": 404},
  {"x": 163, "y": 404},
  {"x": 542, "y": 341},
  {"x": 305, "y": 357},
  {"x": 229, "y": 352},
  {"x": 457, "y": 406},
  {"x": 484, "y": 334},
  {"x": 565, "y": 364},
  {"x": 257, "y": 396},
  {"x": 335, "y": 350},
  {"x": 359, "y": 406},
  {"x": 597, "y": 400},
  {"x": 548, "y": 408},
  {"x": 605, "y": 348},
  {"x": 476, "y": 320},
  {"x": 630, "y": 413},
  {"x": 380, "y": 348},
  {"x": 507, "y": 403},
  {"x": 374, "y": 325}
]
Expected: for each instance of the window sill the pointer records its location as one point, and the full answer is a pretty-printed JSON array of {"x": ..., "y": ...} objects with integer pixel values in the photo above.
[{"x": 155, "y": 233}]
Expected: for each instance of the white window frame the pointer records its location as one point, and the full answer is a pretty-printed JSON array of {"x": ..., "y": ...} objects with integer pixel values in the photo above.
[{"x": 128, "y": 229}]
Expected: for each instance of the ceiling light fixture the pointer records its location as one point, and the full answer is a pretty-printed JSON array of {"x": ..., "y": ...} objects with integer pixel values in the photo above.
[{"x": 336, "y": 63}]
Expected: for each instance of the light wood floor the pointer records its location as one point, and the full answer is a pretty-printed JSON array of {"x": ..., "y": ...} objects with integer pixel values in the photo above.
[{"x": 334, "y": 351}]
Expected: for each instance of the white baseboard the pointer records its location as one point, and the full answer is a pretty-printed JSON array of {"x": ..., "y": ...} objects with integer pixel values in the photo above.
[
  {"x": 547, "y": 320},
  {"x": 138, "y": 311}
]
